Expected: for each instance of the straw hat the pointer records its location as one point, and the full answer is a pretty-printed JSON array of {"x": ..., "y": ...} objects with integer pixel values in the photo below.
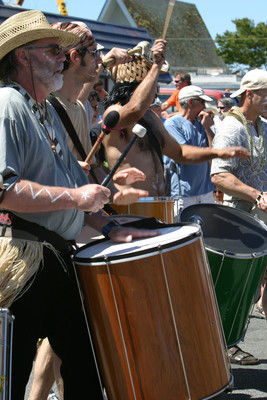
[{"x": 26, "y": 27}]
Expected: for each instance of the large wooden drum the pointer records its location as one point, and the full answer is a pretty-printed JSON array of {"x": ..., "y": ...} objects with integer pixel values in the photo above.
[
  {"x": 162, "y": 208},
  {"x": 153, "y": 316}
]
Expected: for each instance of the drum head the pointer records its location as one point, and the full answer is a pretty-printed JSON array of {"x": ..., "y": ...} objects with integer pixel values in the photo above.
[
  {"x": 228, "y": 229},
  {"x": 170, "y": 237}
]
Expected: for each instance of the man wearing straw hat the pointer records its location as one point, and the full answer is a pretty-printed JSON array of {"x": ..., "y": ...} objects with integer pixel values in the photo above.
[{"x": 44, "y": 194}]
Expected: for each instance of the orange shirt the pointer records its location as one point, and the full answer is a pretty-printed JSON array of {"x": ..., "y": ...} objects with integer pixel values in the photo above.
[{"x": 173, "y": 100}]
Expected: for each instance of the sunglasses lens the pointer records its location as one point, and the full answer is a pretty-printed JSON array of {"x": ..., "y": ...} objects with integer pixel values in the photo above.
[{"x": 56, "y": 49}]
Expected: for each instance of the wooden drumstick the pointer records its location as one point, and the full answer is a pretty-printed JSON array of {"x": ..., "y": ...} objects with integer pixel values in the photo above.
[
  {"x": 139, "y": 131},
  {"x": 168, "y": 17},
  {"x": 110, "y": 122}
]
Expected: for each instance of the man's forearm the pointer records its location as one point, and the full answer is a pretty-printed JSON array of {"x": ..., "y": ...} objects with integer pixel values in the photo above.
[
  {"x": 27, "y": 196},
  {"x": 232, "y": 186}
]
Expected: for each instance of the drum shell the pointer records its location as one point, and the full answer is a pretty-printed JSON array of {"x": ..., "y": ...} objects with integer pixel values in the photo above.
[
  {"x": 159, "y": 368},
  {"x": 161, "y": 208},
  {"x": 230, "y": 276},
  {"x": 236, "y": 244}
]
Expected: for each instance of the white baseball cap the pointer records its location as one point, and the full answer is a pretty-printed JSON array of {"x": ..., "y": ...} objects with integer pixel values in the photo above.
[
  {"x": 193, "y": 91},
  {"x": 254, "y": 80}
]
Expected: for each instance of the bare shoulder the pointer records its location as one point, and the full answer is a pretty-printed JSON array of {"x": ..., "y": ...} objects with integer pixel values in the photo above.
[{"x": 113, "y": 107}]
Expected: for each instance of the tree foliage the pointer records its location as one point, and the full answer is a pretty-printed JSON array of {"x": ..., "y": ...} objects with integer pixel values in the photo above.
[{"x": 248, "y": 45}]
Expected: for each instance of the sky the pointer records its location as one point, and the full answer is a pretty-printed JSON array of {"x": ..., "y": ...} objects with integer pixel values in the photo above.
[{"x": 216, "y": 15}]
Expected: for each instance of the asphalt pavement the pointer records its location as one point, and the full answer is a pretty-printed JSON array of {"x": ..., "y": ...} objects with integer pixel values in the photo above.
[{"x": 250, "y": 382}]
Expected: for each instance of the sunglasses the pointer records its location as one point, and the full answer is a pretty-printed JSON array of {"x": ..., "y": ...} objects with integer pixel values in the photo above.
[
  {"x": 180, "y": 80},
  {"x": 94, "y": 52},
  {"x": 221, "y": 108},
  {"x": 201, "y": 101},
  {"x": 54, "y": 49},
  {"x": 217, "y": 191}
]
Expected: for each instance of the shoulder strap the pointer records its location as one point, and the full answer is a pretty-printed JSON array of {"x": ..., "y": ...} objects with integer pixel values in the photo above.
[
  {"x": 70, "y": 129},
  {"x": 235, "y": 115},
  {"x": 68, "y": 124}
]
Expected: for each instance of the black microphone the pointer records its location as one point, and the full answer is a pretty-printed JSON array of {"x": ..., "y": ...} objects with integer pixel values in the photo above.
[{"x": 110, "y": 121}]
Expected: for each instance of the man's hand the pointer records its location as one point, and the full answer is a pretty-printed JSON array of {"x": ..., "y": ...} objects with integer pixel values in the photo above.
[
  {"x": 129, "y": 196},
  {"x": 85, "y": 167},
  {"x": 231, "y": 152},
  {"x": 159, "y": 51},
  {"x": 91, "y": 197},
  {"x": 262, "y": 204},
  {"x": 206, "y": 119},
  {"x": 128, "y": 176},
  {"x": 123, "y": 235},
  {"x": 120, "y": 56}
]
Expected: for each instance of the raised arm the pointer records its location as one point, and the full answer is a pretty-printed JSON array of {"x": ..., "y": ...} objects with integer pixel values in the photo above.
[{"x": 144, "y": 94}]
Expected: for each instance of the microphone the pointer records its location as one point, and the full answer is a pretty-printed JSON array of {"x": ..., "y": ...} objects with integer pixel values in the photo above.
[
  {"x": 109, "y": 123},
  {"x": 139, "y": 131}
]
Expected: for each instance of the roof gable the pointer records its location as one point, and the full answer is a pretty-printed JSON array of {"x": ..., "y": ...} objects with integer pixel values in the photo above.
[{"x": 189, "y": 42}]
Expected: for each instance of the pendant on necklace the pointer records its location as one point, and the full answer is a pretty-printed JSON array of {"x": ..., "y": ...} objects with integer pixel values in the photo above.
[{"x": 53, "y": 147}]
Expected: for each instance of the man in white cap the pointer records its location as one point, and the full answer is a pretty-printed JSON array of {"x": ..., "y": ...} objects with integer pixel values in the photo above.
[
  {"x": 191, "y": 126},
  {"x": 245, "y": 181},
  {"x": 44, "y": 197}
]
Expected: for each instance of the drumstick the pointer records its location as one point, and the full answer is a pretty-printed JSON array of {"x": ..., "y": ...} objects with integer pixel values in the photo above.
[
  {"x": 168, "y": 17},
  {"x": 110, "y": 122},
  {"x": 139, "y": 131}
]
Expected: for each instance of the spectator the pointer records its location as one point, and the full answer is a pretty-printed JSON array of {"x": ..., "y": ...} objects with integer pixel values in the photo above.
[
  {"x": 191, "y": 126},
  {"x": 181, "y": 80}
]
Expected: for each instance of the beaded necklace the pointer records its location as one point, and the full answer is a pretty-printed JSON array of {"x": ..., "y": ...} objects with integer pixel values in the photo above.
[{"x": 261, "y": 149}]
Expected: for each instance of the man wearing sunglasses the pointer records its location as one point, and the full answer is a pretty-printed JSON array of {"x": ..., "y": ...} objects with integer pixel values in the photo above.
[
  {"x": 224, "y": 105},
  {"x": 182, "y": 79}
]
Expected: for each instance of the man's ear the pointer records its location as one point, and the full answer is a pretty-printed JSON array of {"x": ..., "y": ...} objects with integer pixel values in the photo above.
[
  {"x": 249, "y": 93},
  {"x": 74, "y": 57},
  {"x": 23, "y": 56},
  {"x": 190, "y": 101}
]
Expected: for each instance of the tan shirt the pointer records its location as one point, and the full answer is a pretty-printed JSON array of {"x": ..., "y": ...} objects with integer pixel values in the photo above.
[{"x": 78, "y": 117}]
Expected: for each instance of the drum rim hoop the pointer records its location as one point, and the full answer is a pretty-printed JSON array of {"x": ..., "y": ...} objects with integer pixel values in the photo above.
[{"x": 137, "y": 254}]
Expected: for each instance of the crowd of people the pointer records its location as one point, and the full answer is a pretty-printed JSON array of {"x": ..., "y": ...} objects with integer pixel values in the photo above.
[{"x": 52, "y": 107}]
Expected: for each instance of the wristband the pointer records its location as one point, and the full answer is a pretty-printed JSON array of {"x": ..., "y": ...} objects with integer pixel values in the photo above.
[
  {"x": 258, "y": 199},
  {"x": 107, "y": 228}
]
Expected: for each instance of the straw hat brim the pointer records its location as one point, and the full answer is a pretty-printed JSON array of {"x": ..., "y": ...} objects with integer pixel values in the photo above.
[{"x": 19, "y": 39}]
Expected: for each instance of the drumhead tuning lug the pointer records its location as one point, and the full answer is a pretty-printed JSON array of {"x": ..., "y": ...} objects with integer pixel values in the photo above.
[{"x": 196, "y": 219}]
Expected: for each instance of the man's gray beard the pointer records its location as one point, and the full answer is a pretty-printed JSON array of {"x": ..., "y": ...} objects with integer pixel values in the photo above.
[{"x": 57, "y": 83}]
